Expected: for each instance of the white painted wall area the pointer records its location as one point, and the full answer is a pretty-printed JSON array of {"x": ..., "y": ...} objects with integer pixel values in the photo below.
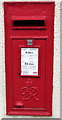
[{"x": 56, "y": 74}]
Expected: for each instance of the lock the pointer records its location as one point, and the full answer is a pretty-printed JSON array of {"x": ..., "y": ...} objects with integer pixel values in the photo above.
[{"x": 29, "y": 42}]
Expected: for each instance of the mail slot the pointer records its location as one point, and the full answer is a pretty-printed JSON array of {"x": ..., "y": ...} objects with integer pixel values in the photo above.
[{"x": 29, "y": 41}]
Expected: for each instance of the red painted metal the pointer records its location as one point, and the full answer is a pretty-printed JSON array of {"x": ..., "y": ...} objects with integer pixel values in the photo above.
[{"x": 29, "y": 94}]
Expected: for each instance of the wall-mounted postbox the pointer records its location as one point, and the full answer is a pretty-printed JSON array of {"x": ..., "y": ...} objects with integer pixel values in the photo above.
[{"x": 29, "y": 33}]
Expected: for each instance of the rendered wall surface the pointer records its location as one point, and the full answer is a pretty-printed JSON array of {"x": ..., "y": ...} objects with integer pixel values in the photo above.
[{"x": 56, "y": 74}]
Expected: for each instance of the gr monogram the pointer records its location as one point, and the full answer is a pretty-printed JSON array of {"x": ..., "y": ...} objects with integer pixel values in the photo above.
[{"x": 28, "y": 92}]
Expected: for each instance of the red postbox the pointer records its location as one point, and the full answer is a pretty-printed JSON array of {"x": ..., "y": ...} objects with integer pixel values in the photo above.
[{"x": 29, "y": 34}]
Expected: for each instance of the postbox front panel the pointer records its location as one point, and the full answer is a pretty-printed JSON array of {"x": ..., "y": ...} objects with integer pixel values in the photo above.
[
  {"x": 29, "y": 84},
  {"x": 29, "y": 57}
]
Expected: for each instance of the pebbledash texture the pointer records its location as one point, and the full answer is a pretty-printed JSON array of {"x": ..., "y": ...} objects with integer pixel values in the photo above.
[{"x": 26, "y": 84}]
